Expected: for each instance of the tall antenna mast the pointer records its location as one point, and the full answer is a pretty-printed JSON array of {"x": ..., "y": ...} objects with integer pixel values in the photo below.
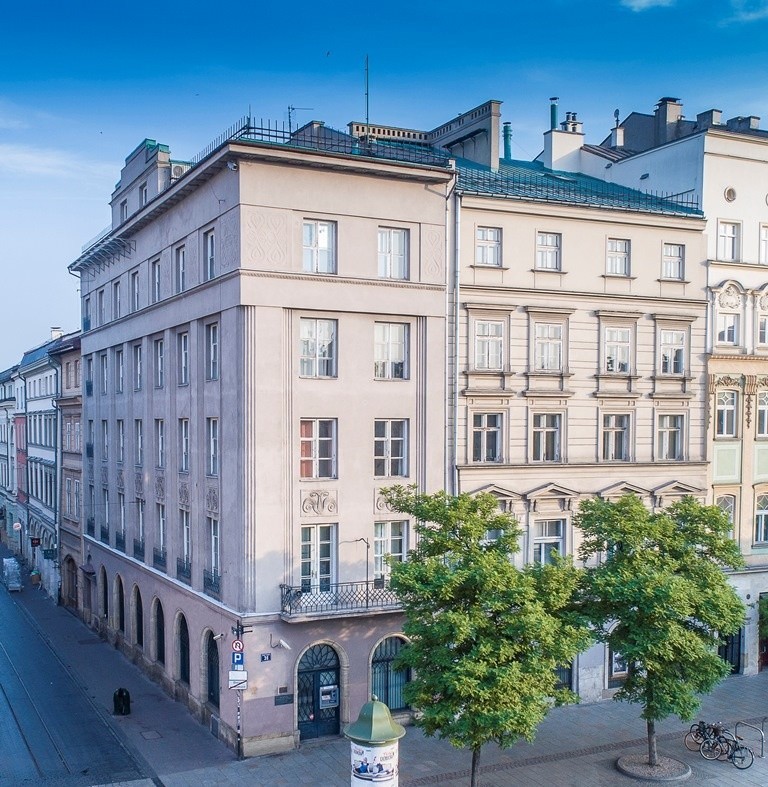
[{"x": 367, "y": 116}]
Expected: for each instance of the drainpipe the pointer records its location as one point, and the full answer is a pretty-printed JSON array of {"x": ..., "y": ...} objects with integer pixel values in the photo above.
[
  {"x": 507, "y": 141},
  {"x": 455, "y": 348},
  {"x": 58, "y": 485},
  {"x": 553, "y": 112}
]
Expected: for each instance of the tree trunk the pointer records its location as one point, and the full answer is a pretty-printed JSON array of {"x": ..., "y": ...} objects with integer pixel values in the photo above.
[
  {"x": 653, "y": 755},
  {"x": 474, "y": 779}
]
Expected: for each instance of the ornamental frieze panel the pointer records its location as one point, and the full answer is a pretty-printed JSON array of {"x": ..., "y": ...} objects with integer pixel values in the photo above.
[
  {"x": 319, "y": 502},
  {"x": 729, "y": 298},
  {"x": 160, "y": 488},
  {"x": 212, "y": 499},
  {"x": 729, "y": 381},
  {"x": 104, "y": 477},
  {"x": 120, "y": 480},
  {"x": 138, "y": 483},
  {"x": 184, "y": 494},
  {"x": 380, "y": 504}
]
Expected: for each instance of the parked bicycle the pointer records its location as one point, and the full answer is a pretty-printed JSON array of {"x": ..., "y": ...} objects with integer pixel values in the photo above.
[
  {"x": 726, "y": 746},
  {"x": 700, "y": 732}
]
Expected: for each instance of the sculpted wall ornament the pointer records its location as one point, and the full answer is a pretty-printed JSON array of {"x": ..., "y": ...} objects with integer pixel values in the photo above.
[
  {"x": 317, "y": 502},
  {"x": 120, "y": 480},
  {"x": 762, "y": 382},
  {"x": 184, "y": 494},
  {"x": 104, "y": 477},
  {"x": 212, "y": 499},
  {"x": 729, "y": 381},
  {"x": 139, "y": 484},
  {"x": 729, "y": 298},
  {"x": 762, "y": 302},
  {"x": 160, "y": 487},
  {"x": 381, "y": 506}
]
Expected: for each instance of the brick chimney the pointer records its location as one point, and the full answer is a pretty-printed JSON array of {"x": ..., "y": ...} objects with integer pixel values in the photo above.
[
  {"x": 668, "y": 112},
  {"x": 712, "y": 117},
  {"x": 749, "y": 123}
]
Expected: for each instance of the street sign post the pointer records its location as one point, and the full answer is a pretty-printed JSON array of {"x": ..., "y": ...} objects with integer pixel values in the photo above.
[
  {"x": 238, "y": 661},
  {"x": 237, "y": 645},
  {"x": 238, "y": 679}
]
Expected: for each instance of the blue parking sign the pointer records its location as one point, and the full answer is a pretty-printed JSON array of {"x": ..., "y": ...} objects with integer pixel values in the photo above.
[{"x": 238, "y": 660}]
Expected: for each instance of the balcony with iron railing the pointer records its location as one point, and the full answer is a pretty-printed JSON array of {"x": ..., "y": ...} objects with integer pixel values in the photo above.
[
  {"x": 212, "y": 583},
  {"x": 159, "y": 559},
  {"x": 184, "y": 570},
  {"x": 138, "y": 548},
  {"x": 337, "y": 599},
  {"x": 120, "y": 541}
]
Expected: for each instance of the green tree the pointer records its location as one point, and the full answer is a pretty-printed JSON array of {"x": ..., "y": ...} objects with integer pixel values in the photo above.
[
  {"x": 658, "y": 596},
  {"x": 484, "y": 637}
]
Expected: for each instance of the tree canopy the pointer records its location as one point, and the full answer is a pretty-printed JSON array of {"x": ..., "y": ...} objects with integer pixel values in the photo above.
[
  {"x": 658, "y": 596},
  {"x": 485, "y": 637}
]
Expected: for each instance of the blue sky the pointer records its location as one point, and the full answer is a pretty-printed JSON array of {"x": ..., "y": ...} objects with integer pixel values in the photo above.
[{"x": 82, "y": 83}]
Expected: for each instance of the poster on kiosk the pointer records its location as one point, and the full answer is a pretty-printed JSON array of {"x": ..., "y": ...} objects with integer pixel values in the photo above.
[{"x": 374, "y": 764}]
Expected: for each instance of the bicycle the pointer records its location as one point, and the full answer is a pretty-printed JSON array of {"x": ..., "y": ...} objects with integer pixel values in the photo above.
[
  {"x": 698, "y": 733},
  {"x": 726, "y": 747}
]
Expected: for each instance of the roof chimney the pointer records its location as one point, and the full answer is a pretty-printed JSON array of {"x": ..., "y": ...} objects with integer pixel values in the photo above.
[
  {"x": 56, "y": 332},
  {"x": 740, "y": 123},
  {"x": 617, "y": 137},
  {"x": 507, "y": 141},
  {"x": 668, "y": 112},
  {"x": 553, "y": 113},
  {"x": 712, "y": 117}
]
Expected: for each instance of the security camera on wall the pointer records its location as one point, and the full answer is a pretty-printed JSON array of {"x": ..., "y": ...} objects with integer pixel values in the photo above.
[{"x": 284, "y": 644}]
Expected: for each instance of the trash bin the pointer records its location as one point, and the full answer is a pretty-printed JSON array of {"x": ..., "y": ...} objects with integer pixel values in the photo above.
[{"x": 121, "y": 700}]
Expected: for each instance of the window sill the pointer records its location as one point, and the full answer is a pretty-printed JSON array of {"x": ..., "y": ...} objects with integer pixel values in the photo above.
[
  {"x": 673, "y": 281},
  {"x": 391, "y": 379},
  {"x": 317, "y": 377},
  {"x": 673, "y": 378},
  {"x": 557, "y": 271},
  {"x": 481, "y": 267},
  {"x": 619, "y": 276},
  {"x": 616, "y": 376},
  {"x": 314, "y": 480}
]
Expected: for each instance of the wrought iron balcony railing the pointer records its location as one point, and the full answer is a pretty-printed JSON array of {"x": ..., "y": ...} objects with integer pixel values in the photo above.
[
  {"x": 138, "y": 548},
  {"x": 120, "y": 541},
  {"x": 184, "y": 570},
  {"x": 337, "y": 598},
  {"x": 159, "y": 559},
  {"x": 104, "y": 534},
  {"x": 212, "y": 583}
]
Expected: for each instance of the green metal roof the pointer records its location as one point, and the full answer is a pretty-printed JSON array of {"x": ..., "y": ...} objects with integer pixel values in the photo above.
[{"x": 532, "y": 181}]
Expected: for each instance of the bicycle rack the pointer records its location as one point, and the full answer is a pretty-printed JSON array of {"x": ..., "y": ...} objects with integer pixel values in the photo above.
[{"x": 760, "y": 729}]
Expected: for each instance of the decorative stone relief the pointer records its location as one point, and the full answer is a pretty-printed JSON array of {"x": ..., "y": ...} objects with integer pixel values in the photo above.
[
  {"x": 729, "y": 298},
  {"x": 319, "y": 502},
  {"x": 104, "y": 477},
  {"x": 729, "y": 381},
  {"x": 120, "y": 480},
  {"x": 762, "y": 302},
  {"x": 433, "y": 253},
  {"x": 90, "y": 470},
  {"x": 139, "y": 484},
  {"x": 184, "y": 494},
  {"x": 160, "y": 487},
  {"x": 266, "y": 238},
  {"x": 380, "y": 505},
  {"x": 212, "y": 499},
  {"x": 762, "y": 382}
]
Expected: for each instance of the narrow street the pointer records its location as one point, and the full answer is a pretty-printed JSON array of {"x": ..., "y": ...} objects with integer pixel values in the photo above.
[{"x": 50, "y": 731}]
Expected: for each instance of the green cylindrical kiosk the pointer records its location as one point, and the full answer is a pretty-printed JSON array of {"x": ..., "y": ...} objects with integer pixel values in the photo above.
[{"x": 373, "y": 739}]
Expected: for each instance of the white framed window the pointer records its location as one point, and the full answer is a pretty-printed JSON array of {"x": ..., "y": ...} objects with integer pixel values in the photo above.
[
  {"x": 214, "y": 540},
  {"x": 319, "y": 246},
  {"x": 488, "y": 246},
  {"x": 186, "y": 535},
  {"x": 317, "y": 447},
  {"x": 140, "y": 521},
  {"x": 547, "y": 437},
  {"x": 618, "y": 259},
  {"x": 487, "y": 437},
  {"x": 120, "y": 440},
  {"x": 104, "y": 373},
  {"x": 101, "y": 306},
  {"x": 763, "y": 254},
  {"x": 670, "y": 437},
  {"x": 183, "y": 357},
  {"x": 104, "y": 439},
  {"x": 728, "y": 241},
  {"x": 548, "y": 347},
  {"x": 212, "y": 436},
  {"x": 389, "y": 540},
  {"x": 727, "y": 328},
  {"x": 154, "y": 284},
  {"x": 105, "y": 506},
  {"x": 121, "y": 512},
  {"x": 184, "y": 445},
  {"x": 390, "y": 448},
  {"x": 761, "y": 519},
  {"x": 161, "y": 526},
  {"x": 618, "y": 350},
  {"x": 160, "y": 442},
  {"x": 159, "y": 347},
  {"x": 725, "y": 413},
  {"x": 212, "y": 351},
  {"x": 143, "y": 195},
  {"x": 762, "y": 414},
  {"x": 318, "y": 348},
  {"x": 180, "y": 256},
  {"x": 209, "y": 255},
  {"x": 762, "y": 329},
  {"x": 76, "y": 512},
  {"x": 390, "y": 351},
  {"x": 135, "y": 291},
  {"x": 123, "y": 211},
  {"x": 727, "y": 504},
  {"x": 393, "y": 253},
  {"x": 548, "y": 251},
  {"x": 68, "y": 505},
  {"x": 673, "y": 261},
  {"x": 672, "y": 351},
  {"x": 548, "y": 540},
  {"x": 116, "y": 304},
  {"x": 318, "y": 558},
  {"x": 616, "y": 437},
  {"x": 137, "y": 367},
  {"x": 138, "y": 441},
  {"x": 489, "y": 339}
]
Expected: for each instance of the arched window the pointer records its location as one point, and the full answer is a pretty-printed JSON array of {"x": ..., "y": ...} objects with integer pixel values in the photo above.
[
  {"x": 159, "y": 633},
  {"x": 183, "y": 650},
  {"x": 387, "y": 683},
  {"x": 761, "y": 519},
  {"x": 212, "y": 669},
  {"x": 104, "y": 594},
  {"x": 139, "y": 617},
  {"x": 120, "y": 604}
]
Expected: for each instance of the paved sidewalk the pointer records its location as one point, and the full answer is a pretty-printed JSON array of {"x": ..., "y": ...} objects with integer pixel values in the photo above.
[{"x": 576, "y": 745}]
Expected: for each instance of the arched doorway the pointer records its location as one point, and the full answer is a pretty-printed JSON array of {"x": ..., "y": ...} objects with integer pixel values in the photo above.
[
  {"x": 183, "y": 650},
  {"x": 69, "y": 582},
  {"x": 104, "y": 595},
  {"x": 138, "y": 616},
  {"x": 318, "y": 692},
  {"x": 212, "y": 669},
  {"x": 159, "y": 633},
  {"x": 120, "y": 599},
  {"x": 387, "y": 683}
]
